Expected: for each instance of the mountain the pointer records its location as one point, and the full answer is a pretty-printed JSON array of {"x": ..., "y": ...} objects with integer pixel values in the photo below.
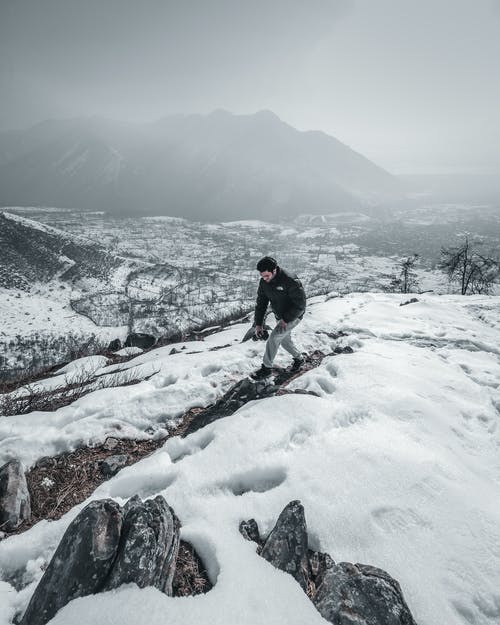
[
  {"x": 392, "y": 450},
  {"x": 32, "y": 252},
  {"x": 217, "y": 166}
]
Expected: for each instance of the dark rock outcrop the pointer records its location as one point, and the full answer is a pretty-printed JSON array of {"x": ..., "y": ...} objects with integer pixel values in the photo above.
[
  {"x": 242, "y": 392},
  {"x": 139, "y": 339},
  {"x": 81, "y": 563},
  {"x": 286, "y": 545},
  {"x": 110, "y": 466},
  {"x": 14, "y": 496},
  {"x": 361, "y": 594},
  {"x": 413, "y": 300},
  {"x": 115, "y": 345},
  {"x": 106, "y": 546},
  {"x": 148, "y": 547},
  {"x": 343, "y": 593},
  {"x": 250, "y": 531},
  {"x": 247, "y": 390}
]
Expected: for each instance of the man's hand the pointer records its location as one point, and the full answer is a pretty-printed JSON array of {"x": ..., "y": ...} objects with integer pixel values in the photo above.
[
  {"x": 281, "y": 325},
  {"x": 258, "y": 331}
]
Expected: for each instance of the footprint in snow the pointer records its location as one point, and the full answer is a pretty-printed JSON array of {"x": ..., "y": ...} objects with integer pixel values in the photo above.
[
  {"x": 257, "y": 480},
  {"x": 398, "y": 519}
]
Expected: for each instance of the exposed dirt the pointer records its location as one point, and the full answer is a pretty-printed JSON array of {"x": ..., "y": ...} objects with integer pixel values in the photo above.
[
  {"x": 57, "y": 484},
  {"x": 190, "y": 576}
]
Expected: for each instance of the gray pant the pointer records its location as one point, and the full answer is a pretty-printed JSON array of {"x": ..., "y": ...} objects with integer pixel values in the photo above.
[{"x": 280, "y": 337}]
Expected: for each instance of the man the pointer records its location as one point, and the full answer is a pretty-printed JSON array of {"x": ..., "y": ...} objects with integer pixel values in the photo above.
[{"x": 288, "y": 303}]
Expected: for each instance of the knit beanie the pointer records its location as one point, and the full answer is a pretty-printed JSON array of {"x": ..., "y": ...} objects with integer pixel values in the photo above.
[{"x": 268, "y": 263}]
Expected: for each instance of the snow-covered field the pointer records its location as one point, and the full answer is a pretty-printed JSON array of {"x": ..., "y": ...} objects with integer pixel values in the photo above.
[{"x": 396, "y": 461}]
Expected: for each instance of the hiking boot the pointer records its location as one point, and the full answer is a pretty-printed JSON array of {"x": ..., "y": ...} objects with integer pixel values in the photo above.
[
  {"x": 263, "y": 372},
  {"x": 297, "y": 363}
]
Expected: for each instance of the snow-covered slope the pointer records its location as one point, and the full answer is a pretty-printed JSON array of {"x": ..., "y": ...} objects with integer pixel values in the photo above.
[{"x": 396, "y": 460}]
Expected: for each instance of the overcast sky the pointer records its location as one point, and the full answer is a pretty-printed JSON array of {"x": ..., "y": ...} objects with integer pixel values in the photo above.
[{"x": 412, "y": 84}]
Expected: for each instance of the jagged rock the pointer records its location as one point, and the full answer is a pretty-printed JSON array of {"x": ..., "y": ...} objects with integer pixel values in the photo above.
[
  {"x": 110, "y": 466},
  {"x": 345, "y": 593},
  {"x": 343, "y": 350},
  {"x": 139, "y": 339},
  {"x": 106, "y": 546},
  {"x": 148, "y": 546},
  {"x": 318, "y": 564},
  {"x": 247, "y": 390},
  {"x": 15, "y": 506},
  {"x": 110, "y": 443},
  {"x": 115, "y": 345},
  {"x": 250, "y": 530},
  {"x": 413, "y": 300},
  {"x": 81, "y": 563},
  {"x": 45, "y": 462},
  {"x": 361, "y": 594},
  {"x": 242, "y": 392},
  {"x": 286, "y": 546}
]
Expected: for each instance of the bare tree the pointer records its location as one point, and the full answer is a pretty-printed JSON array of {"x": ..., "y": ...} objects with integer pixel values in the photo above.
[
  {"x": 474, "y": 272},
  {"x": 405, "y": 280}
]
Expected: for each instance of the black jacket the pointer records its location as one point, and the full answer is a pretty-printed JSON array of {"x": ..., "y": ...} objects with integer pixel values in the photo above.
[{"x": 286, "y": 294}]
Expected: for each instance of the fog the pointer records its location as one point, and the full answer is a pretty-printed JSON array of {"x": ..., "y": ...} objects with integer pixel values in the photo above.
[{"x": 412, "y": 86}]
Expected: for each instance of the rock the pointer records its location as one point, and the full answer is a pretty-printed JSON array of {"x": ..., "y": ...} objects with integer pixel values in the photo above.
[
  {"x": 242, "y": 392},
  {"x": 173, "y": 351},
  {"x": 343, "y": 350},
  {"x": 81, "y": 563},
  {"x": 110, "y": 443},
  {"x": 139, "y": 339},
  {"x": 45, "y": 462},
  {"x": 361, "y": 594},
  {"x": 250, "y": 530},
  {"x": 345, "y": 593},
  {"x": 110, "y": 466},
  {"x": 15, "y": 505},
  {"x": 114, "y": 345},
  {"x": 106, "y": 546},
  {"x": 413, "y": 300},
  {"x": 148, "y": 546},
  {"x": 286, "y": 546}
]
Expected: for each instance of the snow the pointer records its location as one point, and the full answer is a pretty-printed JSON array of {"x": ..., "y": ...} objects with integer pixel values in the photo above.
[
  {"x": 84, "y": 366},
  {"x": 129, "y": 351},
  {"x": 396, "y": 461}
]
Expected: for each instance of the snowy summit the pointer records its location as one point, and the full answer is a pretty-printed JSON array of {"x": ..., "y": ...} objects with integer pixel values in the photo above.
[{"x": 393, "y": 450}]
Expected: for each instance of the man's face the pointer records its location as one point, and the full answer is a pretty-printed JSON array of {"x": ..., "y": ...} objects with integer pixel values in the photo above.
[{"x": 267, "y": 276}]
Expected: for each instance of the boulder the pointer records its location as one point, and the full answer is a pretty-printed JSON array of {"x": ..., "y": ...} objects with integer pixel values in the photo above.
[
  {"x": 15, "y": 506},
  {"x": 286, "y": 546},
  {"x": 139, "y": 339},
  {"x": 361, "y": 594},
  {"x": 81, "y": 563},
  {"x": 115, "y": 345},
  {"x": 110, "y": 466},
  {"x": 148, "y": 547},
  {"x": 106, "y": 546},
  {"x": 344, "y": 593},
  {"x": 250, "y": 531},
  {"x": 242, "y": 392}
]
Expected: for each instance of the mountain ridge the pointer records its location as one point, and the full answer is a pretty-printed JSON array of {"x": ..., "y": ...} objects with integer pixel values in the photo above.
[{"x": 215, "y": 166}]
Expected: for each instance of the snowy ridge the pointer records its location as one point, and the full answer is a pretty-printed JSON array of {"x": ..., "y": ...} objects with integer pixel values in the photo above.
[
  {"x": 37, "y": 225},
  {"x": 396, "y": 460}
]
